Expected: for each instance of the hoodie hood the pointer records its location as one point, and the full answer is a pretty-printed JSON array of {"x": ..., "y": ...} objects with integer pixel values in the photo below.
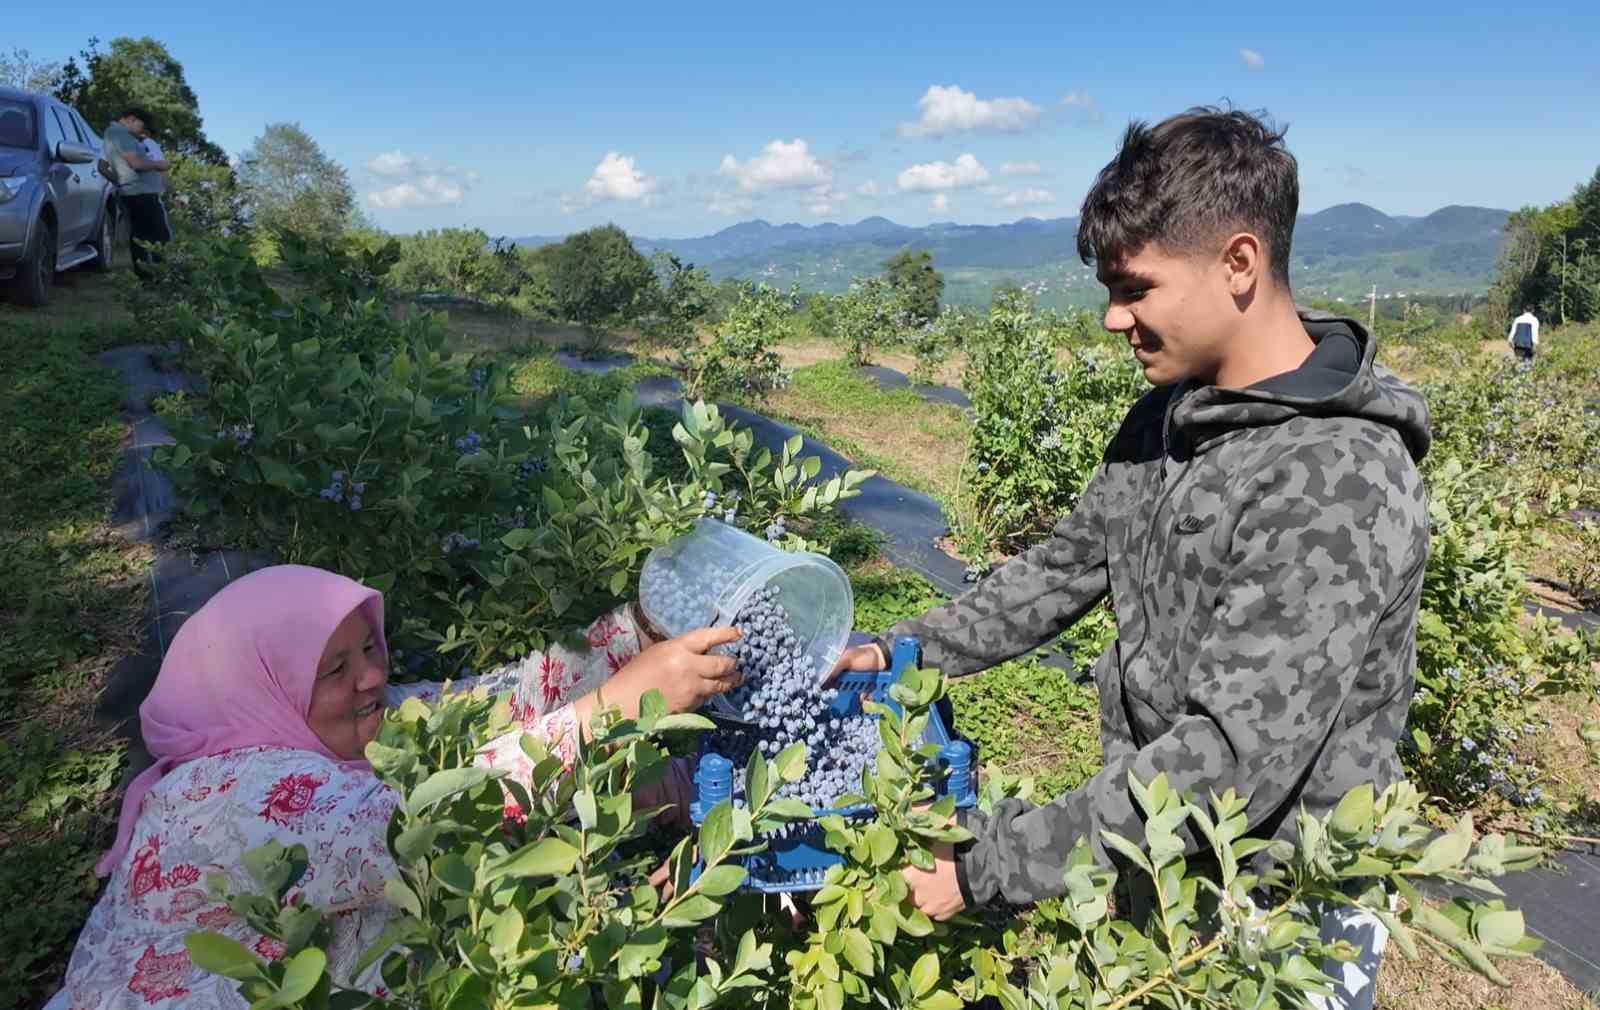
[{"x": 1340, "y": 378}]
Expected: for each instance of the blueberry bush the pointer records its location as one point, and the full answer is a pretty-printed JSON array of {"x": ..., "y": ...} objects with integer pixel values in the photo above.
[
  {"x": 738, "y": 358},
  {"x": 553, "y": 907},
  {"x": 330, "y": 433},
  {"x": 1042, "y": 422}
]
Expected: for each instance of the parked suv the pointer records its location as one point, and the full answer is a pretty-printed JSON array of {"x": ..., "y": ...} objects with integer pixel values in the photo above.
[{"x": 56, "y": 209}]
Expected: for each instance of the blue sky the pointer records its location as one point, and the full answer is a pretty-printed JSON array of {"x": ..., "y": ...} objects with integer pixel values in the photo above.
[{"x": 677, "y": 120}]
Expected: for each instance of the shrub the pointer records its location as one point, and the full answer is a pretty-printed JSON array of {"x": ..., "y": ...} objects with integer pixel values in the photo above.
[
  {"x": 334, "y": 435},
  {"x": 738, "y": 359},
  {"x": 933, "y": 342},
  {"x": 871, "y": 316},
  {"x": 543, "y": 910},
  {"x": 1479, "y": 674},
  {"x": 1041, "y": 423},
  {"x": 1579, "y": 567}
]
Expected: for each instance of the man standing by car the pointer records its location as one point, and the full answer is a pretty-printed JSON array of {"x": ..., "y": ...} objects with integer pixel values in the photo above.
[{"x": 139, "y": 185}]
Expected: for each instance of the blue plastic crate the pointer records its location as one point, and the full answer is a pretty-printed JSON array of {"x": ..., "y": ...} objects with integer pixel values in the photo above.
[{"x": 799, "y": 860}]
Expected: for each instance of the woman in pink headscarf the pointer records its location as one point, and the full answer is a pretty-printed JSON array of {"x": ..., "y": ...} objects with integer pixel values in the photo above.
[{"x": 258, "y": 721}]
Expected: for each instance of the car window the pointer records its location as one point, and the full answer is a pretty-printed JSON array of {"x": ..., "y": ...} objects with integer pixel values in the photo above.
[
  {"x": 54, "y": 132},
  {"x": 89, "y": 136},
  {"x": 16, "y": 124},
  {"x": 69, "y": 124}
]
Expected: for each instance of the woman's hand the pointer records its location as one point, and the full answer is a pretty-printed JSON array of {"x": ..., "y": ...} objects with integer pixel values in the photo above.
[
  {"x": 867, "y": 658},
  {"x": 680, "y": 669}
]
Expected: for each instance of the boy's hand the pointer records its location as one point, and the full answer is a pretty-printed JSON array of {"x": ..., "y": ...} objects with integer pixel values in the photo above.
[
  {"x": 937, "y": 894},
  {"x": 861, "y": 659}
]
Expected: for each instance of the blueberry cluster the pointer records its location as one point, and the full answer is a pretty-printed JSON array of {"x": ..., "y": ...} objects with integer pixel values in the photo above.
[
  {"x": 530, "y": 466},
  {"x": 776, "y": 530},
  {"x": 782, "y": 699},
  {"x": 335, "y": 491},
  {"x": 470, "y": 444},
  {"x": 678, "y": 604},
  {"x": 479, "y": 378},
  {"x": 458, "y": 542},
  {"x": 242, "y": 434}
]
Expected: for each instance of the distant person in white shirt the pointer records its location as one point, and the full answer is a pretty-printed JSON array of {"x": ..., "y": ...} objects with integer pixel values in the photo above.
[
  {"x": 152, "y": 151},
  {"x": 1524, "y": 335}
]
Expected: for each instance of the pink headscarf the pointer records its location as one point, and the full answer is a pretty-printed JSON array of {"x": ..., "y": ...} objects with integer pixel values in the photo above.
[{"x": 239, "y": 673}]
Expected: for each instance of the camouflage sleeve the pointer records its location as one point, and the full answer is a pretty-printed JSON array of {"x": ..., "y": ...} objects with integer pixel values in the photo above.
[
  {"x": 1028, "y": 601},
  {"x": 1310, "y": 573}
]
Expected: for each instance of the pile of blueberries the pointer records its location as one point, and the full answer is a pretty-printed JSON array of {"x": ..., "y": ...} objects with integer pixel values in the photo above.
[{"x": 785, "y": 704}]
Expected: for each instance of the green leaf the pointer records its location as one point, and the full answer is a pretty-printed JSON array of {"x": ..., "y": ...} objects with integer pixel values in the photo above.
[
  {"x": 790, "y": 764},
  {"x": 301, "y": 975},
  {"x": 683, "y": 721},
  {"x": 720, "y": 880},
  {"x": 453, "y": 872},
  {"x": 716, "y": 832},
  {"x": 1500, "y": 928},
  {"x": 858, "y": 951},
  {"x": 443, "y": 785},
  {"x": 402, "y": 897},
  {"x": 1352, "y": 818},
  {"x": 546, "y": 857},
  {"x": 925, "y": 974},
  {"x": 507, "y": 931},
  {"x": 222, "y": 955},
  {"x": 416, "y": 842},
  {"x": 642, "y": 952}
]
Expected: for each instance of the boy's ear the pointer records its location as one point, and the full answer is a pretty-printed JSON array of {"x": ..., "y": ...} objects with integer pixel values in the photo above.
[{"x": 1244, "y": 261}]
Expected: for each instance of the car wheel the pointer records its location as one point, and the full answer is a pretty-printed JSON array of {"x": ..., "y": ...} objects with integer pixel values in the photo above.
[
  {"x": 105, "y": 246},
  {"x": 37, "y": 273}
]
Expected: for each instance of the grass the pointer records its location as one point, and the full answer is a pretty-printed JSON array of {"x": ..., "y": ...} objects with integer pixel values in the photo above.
[
  {"x": 896, "y": 432},
  {"x": 74, "y": 594}
]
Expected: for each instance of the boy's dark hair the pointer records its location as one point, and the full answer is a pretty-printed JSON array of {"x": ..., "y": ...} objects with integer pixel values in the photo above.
[
  {"x": 140, "y": 114},
  {"x": 1189, "y": 181}
]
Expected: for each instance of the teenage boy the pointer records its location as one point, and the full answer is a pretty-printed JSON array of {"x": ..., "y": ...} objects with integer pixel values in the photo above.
[{"x": 1258, "y": 522}]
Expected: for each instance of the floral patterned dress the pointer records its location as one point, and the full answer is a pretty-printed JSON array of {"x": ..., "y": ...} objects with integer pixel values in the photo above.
[{"x": 205, "y": 814}]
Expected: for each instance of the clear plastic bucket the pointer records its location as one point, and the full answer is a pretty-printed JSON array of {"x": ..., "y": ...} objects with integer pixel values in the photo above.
[{"x": 705, "y": 577}]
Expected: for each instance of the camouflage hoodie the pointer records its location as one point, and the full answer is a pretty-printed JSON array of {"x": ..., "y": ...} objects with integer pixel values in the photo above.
[{"x": 1263, "y": 550}]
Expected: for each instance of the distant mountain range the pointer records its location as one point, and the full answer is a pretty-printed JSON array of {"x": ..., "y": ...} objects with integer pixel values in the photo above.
[{"x": 1339, "y": 252}]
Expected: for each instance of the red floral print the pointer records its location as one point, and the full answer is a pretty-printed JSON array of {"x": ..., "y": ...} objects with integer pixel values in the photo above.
[
  {"x": 183, "y": 875},
  {"x": 602, "y": 631},
  {"x": 513, "y": 812},
  {"x": 272, "y": 950},
  {"x": 215, "y": 918},
  {"x": 615, "y": 662},
  {"x": 197, "y": 794},
  {"x": 184, "y": 903},
  {"x": 145, "y": 875},
  {"x": 159, "y": 976},
  {"x": 290, "y": 797},
  {"x": 552, "y": 680}
]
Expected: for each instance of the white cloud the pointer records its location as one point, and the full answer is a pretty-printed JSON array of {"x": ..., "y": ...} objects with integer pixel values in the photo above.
[
  {"x": 940, "y": 202},
  {"x": 820, "y": 208},
  {"x": 617, "y": 178},
  {"x": 869, "y": 188},
  {"x": 1078, "y": 100},
  {"x": 427, "y": 191},
  {"x": 779, "y": 165},
  {"x": 1020, "y": 168},
  {"x": 964, "y": 171},
  {"x": 949, "y": 110},
  {"x": 1252, "y": 59},
  {"x": 392, "y": 164},
  {"x": 1027, "y": 198},
  {"x": 418, "y": 181}
]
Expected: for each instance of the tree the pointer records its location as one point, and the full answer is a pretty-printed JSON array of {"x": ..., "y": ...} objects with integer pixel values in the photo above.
[
  {"x": 20, "y": 70},
  {"x": 919, "y": 284},
  {"x": 461, "y": 261},
  {"x": 101, "y": 86},
  {"x": 600, "y": 280},
  {"x": 290, "y": 184},
  {"x": 686, "y": 296}
]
